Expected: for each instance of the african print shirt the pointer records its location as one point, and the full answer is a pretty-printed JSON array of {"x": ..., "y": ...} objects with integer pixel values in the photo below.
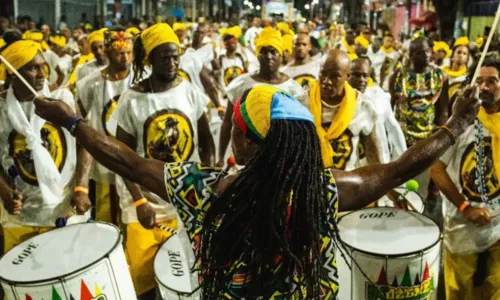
[
  {"x": 416, "y": 115},
  {"x": 190, "y": 189},
  {"x": 461, "y": 236}
]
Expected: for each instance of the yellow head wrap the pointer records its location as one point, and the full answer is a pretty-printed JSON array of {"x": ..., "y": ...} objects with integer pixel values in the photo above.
[
  {"x": 36, "y": 37},
  {"x": 179, "y": 26},
  {"x": 133, "y": 31},
  {"x": 19, "y": 53},
  {"x": 361, "y": 40},
  {"x": 96, "y": 36},
  {"x": 58, "y": 40},
  {"x": 339, "y": 123},
  {"x": 480, "y": 42},
  {"x": 461, "y": 41},
  {"x": 118, "y": 40},
  {"x": 269, "y": 37},
  {"x": 288, "y": 43},
  {"x": 157, "y": 35},
  {"x": 2, "y": 43},
  {"x": 284, "y": 28},
  {"x": 442, "y": 46},
  {"x": 234, "y": 31}
]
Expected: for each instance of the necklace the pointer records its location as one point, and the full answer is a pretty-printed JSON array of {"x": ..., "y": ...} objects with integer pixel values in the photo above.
[
  {"x": 480, "y": 160},
  {"x": 329, "y": 105}
]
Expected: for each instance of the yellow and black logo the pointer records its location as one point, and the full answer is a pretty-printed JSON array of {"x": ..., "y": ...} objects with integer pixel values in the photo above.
[
  {"x": 53, "y": 140},
  {"x": 305, "y": 80},
  {"x": 168, "y": 136},
  {"x": 342, "y": 149},
  {"x": 107, "y": 112},
  {"x": 231, "y": 73},
  {"x": 468, "y": 176},
  {"x": 184, "y": 75}
]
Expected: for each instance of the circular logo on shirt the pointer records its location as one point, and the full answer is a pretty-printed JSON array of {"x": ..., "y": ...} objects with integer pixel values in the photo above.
[
  {"x": 184, "y": 75},
  {"x": 52, "y": 139},
  {"x": 106, "y": 115},
  {"x": 231, "y": 73},
  {"x": 305, "y": 80},
  {"x": 468, "y": 174},
  {"x": 342, "y": 149},
  {"x": 168, "y": 136}
]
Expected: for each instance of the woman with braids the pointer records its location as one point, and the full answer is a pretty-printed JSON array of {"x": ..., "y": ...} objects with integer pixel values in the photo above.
[
  {"x": 268, "y": 232},
  {"x": 160, "y": 117}
]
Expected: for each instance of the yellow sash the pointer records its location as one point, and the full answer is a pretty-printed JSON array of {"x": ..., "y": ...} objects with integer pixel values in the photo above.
[
  {"x": 340, "y": 122},
  {"x": 387, "y": 50},
  {"x": 492, "y": 123},
  {"x": 461, "y": 72}
]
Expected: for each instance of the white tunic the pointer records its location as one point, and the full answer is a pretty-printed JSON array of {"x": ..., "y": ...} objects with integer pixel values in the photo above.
[
  {"x": 88, "y": 68},
  {"x": 461, "y": 236},
  {"x": 305, "y": 74},
  {"x": 13, "y": 152},
  {"x": 165, "y": 126},
  {"x": 99, "y": 97}
]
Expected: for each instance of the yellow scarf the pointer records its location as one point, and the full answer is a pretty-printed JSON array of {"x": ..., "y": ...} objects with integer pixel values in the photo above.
[
  {"x": 461, "y": 72},
  {"x": 340, "y": 122},
  {"x": 349, "y": 48},
  {"x": 492, "y": 123},
  {"x": 387, "y": 50},
  {"x": 82, "y": 60}
]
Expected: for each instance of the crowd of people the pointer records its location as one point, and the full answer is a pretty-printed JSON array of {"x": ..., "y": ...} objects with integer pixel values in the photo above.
[{"x": 321, "y": 119}]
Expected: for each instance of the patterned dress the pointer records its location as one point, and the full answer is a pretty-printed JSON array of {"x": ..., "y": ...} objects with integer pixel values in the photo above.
[
  {"x": 189, "y": 186},
  {"x": 416, "y": 115}
]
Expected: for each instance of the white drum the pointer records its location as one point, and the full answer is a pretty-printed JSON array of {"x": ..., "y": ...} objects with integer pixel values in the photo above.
[
  {"x": 399, "y": 252},
  {"x": 83, "y": 261},
  {"x": 173, "y": 264},
  {"x": 414, "y": 198}
]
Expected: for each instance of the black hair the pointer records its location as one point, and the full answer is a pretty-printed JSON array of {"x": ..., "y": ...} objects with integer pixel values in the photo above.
[
  {"x": 362, "y": 57},
  {"x": 488, "y": 62},
  {"x": 227, "y": 37},
  {"x": 138, "y": 63},
  {"x": 275, "y": 209},
  {"x": 10, "y": 36}
]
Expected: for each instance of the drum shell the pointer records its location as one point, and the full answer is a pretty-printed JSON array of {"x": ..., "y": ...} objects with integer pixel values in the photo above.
[
  {"x": 406, "y": 276},
  {"x": 109, "y": 276}
]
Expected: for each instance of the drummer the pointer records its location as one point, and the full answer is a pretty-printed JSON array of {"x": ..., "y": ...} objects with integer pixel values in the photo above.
[
  {"x": 253, "y": 241},
  {"x": 471, "y": 232},
  {"x": 33, "y": 201}
]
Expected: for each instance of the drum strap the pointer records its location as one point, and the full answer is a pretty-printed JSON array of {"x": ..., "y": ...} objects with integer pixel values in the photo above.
[{"x": 481, "y": 268}]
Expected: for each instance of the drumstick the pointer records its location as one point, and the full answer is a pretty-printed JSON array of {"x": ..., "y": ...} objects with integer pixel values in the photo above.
[
  {"x": 486, "y": 46},
  {"x": 6, "y": 62}
]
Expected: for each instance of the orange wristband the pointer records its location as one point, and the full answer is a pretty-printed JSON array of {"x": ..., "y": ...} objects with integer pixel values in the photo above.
[
  {"x": 140, "y": 202},
  {"x": 463, "y": 206},
  {"x": 220, "y": 108},
  {"x": 81, "y": 189}
]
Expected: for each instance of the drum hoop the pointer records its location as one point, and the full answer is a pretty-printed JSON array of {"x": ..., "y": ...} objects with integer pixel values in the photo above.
[
  {"x": 59, "y": 278},
  {"x": 392, "y": 255},
  {"x": 175, "y": 291}
]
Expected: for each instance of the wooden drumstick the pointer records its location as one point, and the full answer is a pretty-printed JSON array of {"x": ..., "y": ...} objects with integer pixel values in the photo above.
[
  {"x": 487, "y": 45},
  {"x": 7, "y": 63},
  {"x": 167, "y": 229}
]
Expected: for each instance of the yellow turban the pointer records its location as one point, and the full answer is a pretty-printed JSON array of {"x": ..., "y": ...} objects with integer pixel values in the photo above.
[
  {"x": 2, "y": 43},
  {"x": 461, "y": 41},
  {"x": 179, "y": 26},
  {"x": 133, "y": 31},
  {"x": 234, "y": 31},
  {"x": 157, "y": 35},
  {"x": 33, "y": 36},
  {"x": 442, "y": 46},
  {"x": 361, "y": 40},
  {"x": 284, "y": 28},
  {"x": 288, "y": 43},
  {"x": 96, "y": 36},
  {"x": 480, "y": 42},
  {"x": 269, "y": 37},
  {"x": 18, "y": 54},
  {"x": 58, "y": 40}
]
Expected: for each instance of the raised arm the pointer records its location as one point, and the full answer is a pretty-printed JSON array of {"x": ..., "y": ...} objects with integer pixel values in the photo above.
[
  {"x": 108, "y": 151},
  {"x": 362, "y": 186}
]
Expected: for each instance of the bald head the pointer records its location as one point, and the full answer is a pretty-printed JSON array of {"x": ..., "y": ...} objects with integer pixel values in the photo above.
[
  {"x": 302, "y": 47},
  {"x": 420, "y": 52},
  {"x": 360, "y": 73},
  {"x": 334, "y": 73}
]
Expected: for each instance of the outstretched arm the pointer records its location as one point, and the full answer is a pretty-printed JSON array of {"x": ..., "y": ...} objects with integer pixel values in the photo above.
[{"x": 362, "y": 186}]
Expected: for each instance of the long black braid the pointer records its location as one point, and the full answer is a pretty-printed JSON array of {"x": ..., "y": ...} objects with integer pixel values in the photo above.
[
  {"x": 256, "y": 221},
  {"x": 139, "y": 56}
]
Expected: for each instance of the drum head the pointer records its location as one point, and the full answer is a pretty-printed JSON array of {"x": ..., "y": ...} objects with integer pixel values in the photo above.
[
  {"x": 60, "y": 252},
  {"x": 388, "y": 231}
]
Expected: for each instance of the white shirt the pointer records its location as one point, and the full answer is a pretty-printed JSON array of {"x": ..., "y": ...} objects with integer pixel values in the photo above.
[
  {"x": 461, "y": 236},
  {"x": 230, "y": 69},
  {"x": 250, "y": 36},
  {"x": 305, "y": 74},
  {"x": 66, "y": 65},
  {"x": 88, "y": 68},
  {"x": 391, "y": 137},
  {"x": 190, "y": 66},
  {"x": 13, "y": 152},
  {"x": 155, "y": 120},
  {"x": 52, "y": 60},
  {"x": 99, "y": 97}
]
